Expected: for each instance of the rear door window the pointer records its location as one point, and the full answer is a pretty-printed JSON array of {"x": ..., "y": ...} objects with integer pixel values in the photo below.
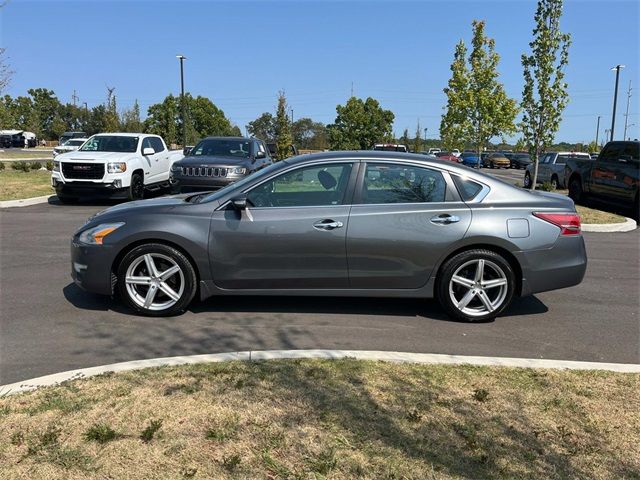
[{"x": 397, "y": 183}]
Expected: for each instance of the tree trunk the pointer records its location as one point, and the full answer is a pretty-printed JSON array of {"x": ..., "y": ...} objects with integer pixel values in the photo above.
[{"x": 534, "y": 180}]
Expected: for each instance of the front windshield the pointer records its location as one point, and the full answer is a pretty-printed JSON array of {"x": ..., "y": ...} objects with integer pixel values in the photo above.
[
  {"x": 73, "y": 143},
  {"x": 222, "y": 148},
  {"x": 240, "y": 184},
  {"x": 111, "y": 143}
]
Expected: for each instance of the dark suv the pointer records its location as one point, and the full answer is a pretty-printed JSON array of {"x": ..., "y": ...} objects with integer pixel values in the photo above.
[{"x": 215, "y": 162}]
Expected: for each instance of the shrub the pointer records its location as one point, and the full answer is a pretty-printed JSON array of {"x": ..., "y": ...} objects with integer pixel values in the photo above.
[
  {"x": 101, "y": 433},
  {"x": 35, "y": 165},
  {"x": 546, "y": 187},
  {"x": 1, "y": 166},
  {"x": 49, "y": 165},
  {"x": 21, "y": 166},
  {"x": 148, "y": 433}
]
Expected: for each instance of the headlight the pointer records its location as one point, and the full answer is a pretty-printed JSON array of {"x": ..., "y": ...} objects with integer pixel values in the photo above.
[
  {"x": 175, "y": 167},
  {"x": 239, "y": 171},
  {"x": 116, "y": 167},
  {"x": 56, "y": 165},
  {"x": 95, "y": 235}
]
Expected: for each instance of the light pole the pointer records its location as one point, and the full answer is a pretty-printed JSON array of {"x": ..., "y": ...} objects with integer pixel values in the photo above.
[
  {"x": 597, "y": 130},
  {"x": 606, "y": 133},
  {"x": 182, "y": 58},
  {"x": 425, "y": 138},
  {"x": 617, "y": 68},
  {"x": 291, "y": 116}
]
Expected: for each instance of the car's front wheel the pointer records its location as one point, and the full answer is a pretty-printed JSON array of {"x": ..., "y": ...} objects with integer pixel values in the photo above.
[
  {"x": 136, "y": 189},
  {"x": 156, "y": 280},
  {"x": 527, "y": 180},
  {"x": 476, "y": 285}
]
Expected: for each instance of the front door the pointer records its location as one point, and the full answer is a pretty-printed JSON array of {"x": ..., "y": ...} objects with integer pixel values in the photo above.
[
  {"x": 400, "y": 225},
  {"x": 292, "y": 234}
]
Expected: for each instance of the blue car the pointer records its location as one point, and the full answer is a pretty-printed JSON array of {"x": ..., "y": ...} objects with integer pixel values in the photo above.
[{"x": 471, "y": 159}]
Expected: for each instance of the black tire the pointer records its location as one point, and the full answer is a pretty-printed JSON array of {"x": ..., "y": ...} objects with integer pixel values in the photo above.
[
  {"x": 493, "y": 263},
  {"x": 492, "y": 165},
  {"x": 527, "y": 180},
  {"x": 575, "y": 190},
  {"x": 66, "y": 199},
  {"x": 554, "y": 182},
  {"x": 163, "y": 255},
  {"x": 136, "y": 189}
]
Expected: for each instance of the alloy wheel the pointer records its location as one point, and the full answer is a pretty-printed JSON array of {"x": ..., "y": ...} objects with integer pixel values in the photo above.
[
  {"x": 154, "y": 281},
  {"x": 478, "y": 287}
]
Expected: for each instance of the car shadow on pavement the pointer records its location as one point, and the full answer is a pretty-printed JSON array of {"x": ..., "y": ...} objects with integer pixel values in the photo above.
[{"x": 402, "y": 307}]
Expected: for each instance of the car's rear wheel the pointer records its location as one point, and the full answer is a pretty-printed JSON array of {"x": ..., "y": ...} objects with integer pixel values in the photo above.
[
  {"x": 156, "y": 280},
  {"x": 476, "y": 285},
  {"x": 575, "y": 190},
  {"x": 554, "y": 182}
]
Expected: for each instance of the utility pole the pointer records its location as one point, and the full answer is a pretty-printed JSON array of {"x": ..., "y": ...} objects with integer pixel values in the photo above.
[
  {"x": 425, "y": 138},
  {"x": 182, "y": 58},
  {"x": 74, "y": 98},
  {"x": 617, "y": 68},
  {"x": 606, "y": 133},
  {"x": 292, "y": 116},
  {"x": 597, "y": 130},
  {"x": 626, "y": 115}
]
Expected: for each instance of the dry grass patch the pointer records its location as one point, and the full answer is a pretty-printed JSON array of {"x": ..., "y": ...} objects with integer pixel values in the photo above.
[
  {"x": 338, "y": 419},
  {"x": 18, "y": 154},
  {"x": 591, "y": 215},
  {"x": 15, "y": 184}
]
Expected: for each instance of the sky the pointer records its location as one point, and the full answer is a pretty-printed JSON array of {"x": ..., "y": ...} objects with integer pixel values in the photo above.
[{"x": 240, "y": 54}]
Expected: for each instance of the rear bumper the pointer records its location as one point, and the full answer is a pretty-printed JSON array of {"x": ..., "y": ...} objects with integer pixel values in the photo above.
[
  {"x": 91, "y": 267},
  {"x": 561, "y": 266}
]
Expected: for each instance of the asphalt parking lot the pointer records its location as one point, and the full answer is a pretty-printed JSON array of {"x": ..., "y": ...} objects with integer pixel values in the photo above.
[{"x": 49, "y": 325}]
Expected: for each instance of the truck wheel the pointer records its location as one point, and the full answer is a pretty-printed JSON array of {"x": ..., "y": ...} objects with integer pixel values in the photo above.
[
  {"x": 527, "y": 180},
  {"x": 66, "y": 199},
  {"x": 575, "y": 190},
  {"x": 156, "y": 280},
  {"x": 554, "y": 182},
  {"x": 136, "y": 189}
]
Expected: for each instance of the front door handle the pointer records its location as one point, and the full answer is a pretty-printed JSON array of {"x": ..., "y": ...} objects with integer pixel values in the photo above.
[
  {"x": 445, "y": 219},
  {"x": 327, "y": 225}
]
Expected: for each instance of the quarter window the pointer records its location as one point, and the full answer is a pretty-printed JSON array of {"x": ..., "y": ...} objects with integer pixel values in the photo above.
[
  {"x": 395, "y": 183},
  {"x": 317, "y": 185}
]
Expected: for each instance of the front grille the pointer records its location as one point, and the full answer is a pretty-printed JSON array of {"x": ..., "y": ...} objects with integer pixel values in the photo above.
[
  {"x": 204, "y": 172},
  {"x": 83, "y": 171}
]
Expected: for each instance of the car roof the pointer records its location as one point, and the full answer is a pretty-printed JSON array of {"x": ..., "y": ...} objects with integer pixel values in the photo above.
[
  {"x": 124, "y": 134},
  {"x": 229, "y": 138}
]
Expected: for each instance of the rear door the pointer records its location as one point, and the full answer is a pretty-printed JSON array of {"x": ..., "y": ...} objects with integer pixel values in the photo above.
[
  {"x": 291, "y": 236},
  {"x": 403, "y": 219}
]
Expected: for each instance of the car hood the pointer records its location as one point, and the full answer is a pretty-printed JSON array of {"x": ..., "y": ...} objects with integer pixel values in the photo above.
[
  {"x": 138, "y": 205},
  {"x": 202, "y": 160},
  {"x": 100, "y": 156}
]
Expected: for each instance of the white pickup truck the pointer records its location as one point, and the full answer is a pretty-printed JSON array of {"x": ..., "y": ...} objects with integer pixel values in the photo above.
[{"x": 118, "y": 165}]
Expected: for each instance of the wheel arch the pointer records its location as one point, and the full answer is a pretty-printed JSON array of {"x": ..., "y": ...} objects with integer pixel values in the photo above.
[{"x": 508, "y": 256}]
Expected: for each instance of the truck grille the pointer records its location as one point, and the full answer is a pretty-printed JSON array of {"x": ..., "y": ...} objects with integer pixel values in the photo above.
[
  {"x": 204, "y": 172},
  {"x": 83, "y": 171}
]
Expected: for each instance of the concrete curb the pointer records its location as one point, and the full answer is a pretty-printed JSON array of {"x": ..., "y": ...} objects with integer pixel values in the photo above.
[
  {"x": 25, "y": 202},
  {"x": 628, "y": 225},
  {"x": 422, "y": 358}
]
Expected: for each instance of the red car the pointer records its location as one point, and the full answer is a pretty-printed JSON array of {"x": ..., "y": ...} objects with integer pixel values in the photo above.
[{"x": 448, "y": 156}]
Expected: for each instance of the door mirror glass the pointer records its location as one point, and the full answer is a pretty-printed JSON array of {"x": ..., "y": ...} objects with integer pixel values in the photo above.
[
  {"x": 148, "y": 151},
  {"x": 260, "y": 154}
]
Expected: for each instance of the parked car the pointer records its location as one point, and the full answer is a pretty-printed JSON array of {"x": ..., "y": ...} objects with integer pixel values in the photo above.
[
  {"x": 551, "y": 168},
  {"x": 430, "y": 156},
  {"x": 17, "y": 139},
  {"x": 390, "y": 147},
  {"x": 433, "y": 151},
  {"x": 448, "y": 156},
  {"x": 518, "y": 160},
  {"x": 118, "y": 165},
  {"x": 416, "y": 228},
  {"x": 68, "y": 146},
  {"x": 470, "y": 159},
  {"x": 66, "y": 136},
  {"x": 455, "y": 152},
  {"x": 614, "y": 176},
  {"x": 215, "y": 162},
  {"x": 496, "y": 160}
]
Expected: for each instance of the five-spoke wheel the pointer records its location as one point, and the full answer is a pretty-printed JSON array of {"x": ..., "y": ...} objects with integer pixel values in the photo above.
[
  {"x": 475, "y": 285},
  {"x": 156, "y": 279}
]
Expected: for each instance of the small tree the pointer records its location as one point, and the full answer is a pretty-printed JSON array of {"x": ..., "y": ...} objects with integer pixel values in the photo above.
[
  {"x": 130, "y": 119},
  {"x": 544, "y": 96},
  {"x": 282, "y": 128},
  {"x": 417, "y": 141},
  {"x": 360, "y": 124},
  {"x": 263, "y": 127},
  {"x": 404, "y": 139},
  {"x": 455, "y": 122}
]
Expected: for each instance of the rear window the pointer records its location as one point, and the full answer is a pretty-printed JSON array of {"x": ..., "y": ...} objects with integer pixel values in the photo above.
[{"x": 468, "y": 189}]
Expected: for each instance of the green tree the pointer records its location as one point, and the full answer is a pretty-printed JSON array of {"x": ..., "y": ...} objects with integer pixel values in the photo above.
[
  {"x": 283, "y": 129},
  {"x": 45, "y": 110},
  {"x": 417, "y": 141},
  {"x": 404, "y": 139},
  {"x": 111, "y": 118},
  {"x": 593, "y": 147},
  {"x": 520, "y": 145},
  {"x": 478, "y": 108},
  {"x": 308, "y": 134},
  {"x": 360, "y": 124},
  {"x": 130, "y": 119},
  {"x": 263, "y": 127},
  {"x": 544, "y": 96},
  {"x": 163, "y": 119},
  {"x": 455, "y": 122}
]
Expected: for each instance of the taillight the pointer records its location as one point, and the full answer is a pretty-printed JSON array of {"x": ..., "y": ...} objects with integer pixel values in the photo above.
[{"x": 569, "y": 223}]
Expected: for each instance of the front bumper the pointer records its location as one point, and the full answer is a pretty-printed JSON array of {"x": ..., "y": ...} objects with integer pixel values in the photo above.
[
  {"x": 179, "y": 181},
  {"x": 113, "y": 188},
  {"x": 91, "y": 267},
  {"x": 561, "y": 266}
]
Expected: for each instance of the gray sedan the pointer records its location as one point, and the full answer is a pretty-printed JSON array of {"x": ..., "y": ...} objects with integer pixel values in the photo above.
[{"x": 378, "y": 224}]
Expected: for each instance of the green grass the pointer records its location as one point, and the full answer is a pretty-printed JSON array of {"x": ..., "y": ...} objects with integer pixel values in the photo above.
[
  {"x": 16, "y": 184},
  {"x": 339, "y": 419}
]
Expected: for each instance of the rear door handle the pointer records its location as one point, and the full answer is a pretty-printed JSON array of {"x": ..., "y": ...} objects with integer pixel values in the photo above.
[
  {"x": 327, "y": 225},
  {"x": 445, "y": 219}
]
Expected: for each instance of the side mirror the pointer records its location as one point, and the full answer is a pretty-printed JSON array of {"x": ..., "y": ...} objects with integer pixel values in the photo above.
[
  {"x": 148, "y": 151},
  {"x": 260, "y": 154},
  {"x": 187, "y": 150},
  {"x": 239, "y": 203}
]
